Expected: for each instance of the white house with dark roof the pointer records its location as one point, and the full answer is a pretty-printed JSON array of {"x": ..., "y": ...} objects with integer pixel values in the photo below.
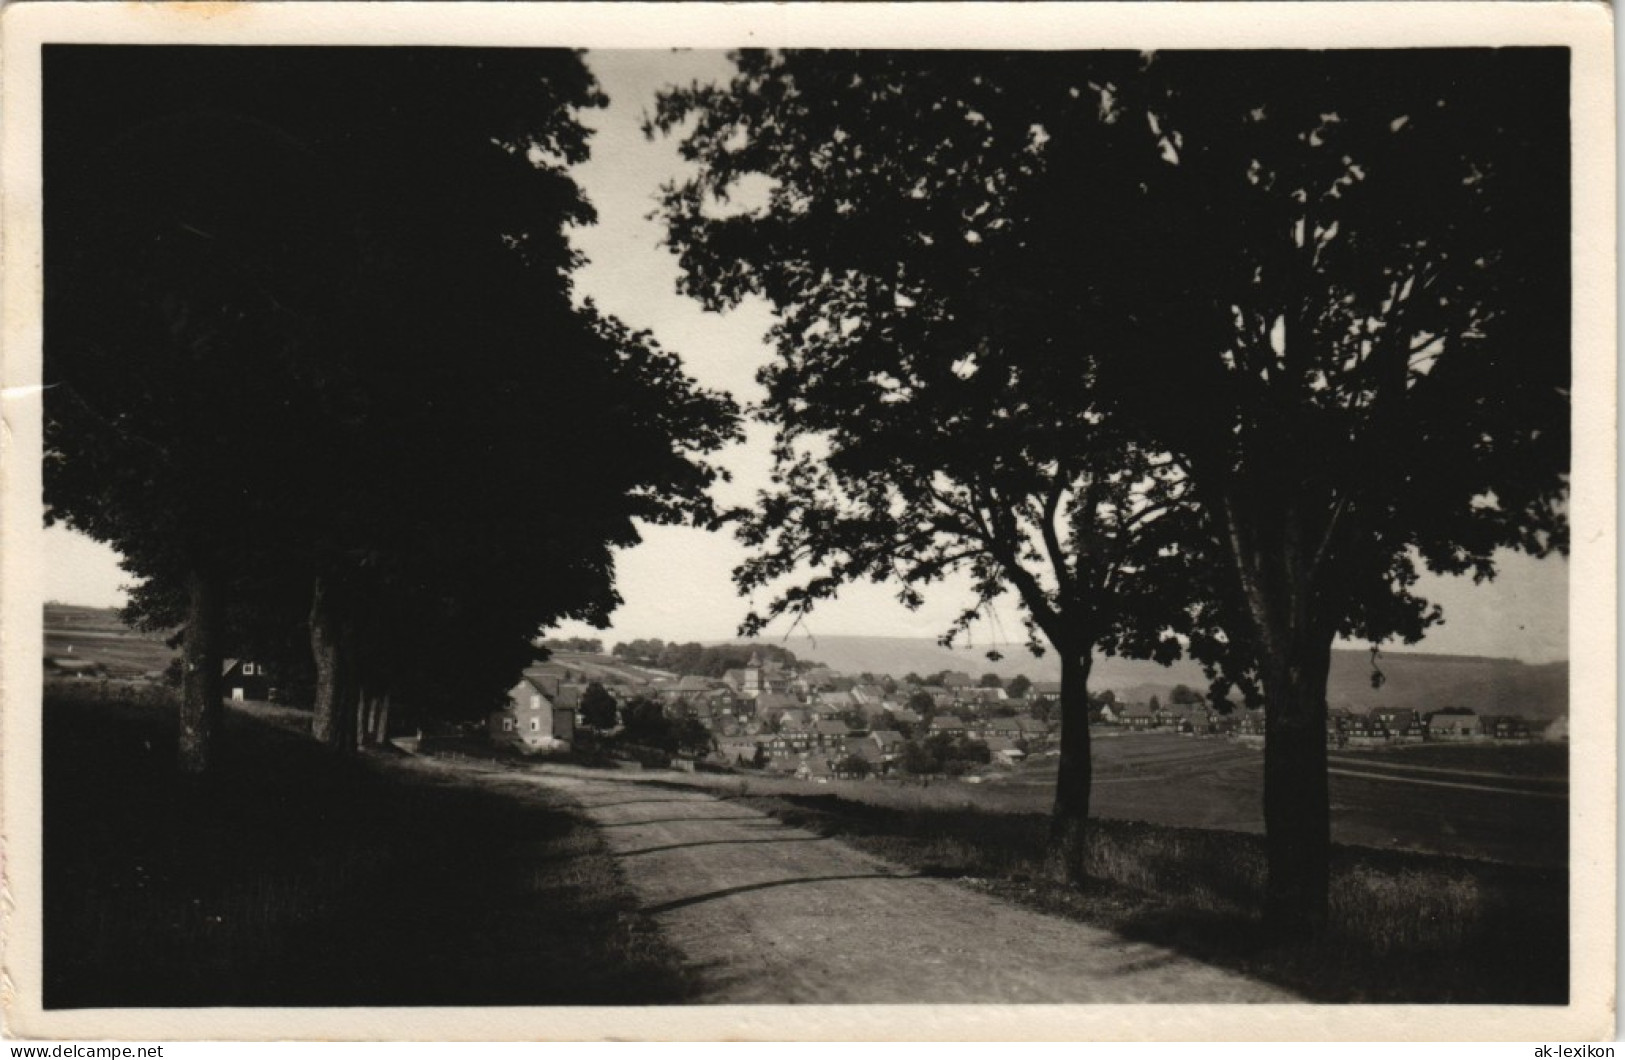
[{"x": 533, "y": 720}]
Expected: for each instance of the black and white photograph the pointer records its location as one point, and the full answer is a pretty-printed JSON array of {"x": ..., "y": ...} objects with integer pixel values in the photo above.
[{"x": 523, "y": 522}]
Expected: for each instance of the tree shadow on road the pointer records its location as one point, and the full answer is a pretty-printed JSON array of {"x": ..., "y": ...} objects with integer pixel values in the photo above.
[{"x": 729, "y": 892}]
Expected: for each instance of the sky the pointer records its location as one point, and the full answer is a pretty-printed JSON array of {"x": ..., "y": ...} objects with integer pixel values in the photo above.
[{"x": 677, "y": 583}]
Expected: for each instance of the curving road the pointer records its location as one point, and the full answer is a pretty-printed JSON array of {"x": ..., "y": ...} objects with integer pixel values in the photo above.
[{"x": 768, "y": 913}]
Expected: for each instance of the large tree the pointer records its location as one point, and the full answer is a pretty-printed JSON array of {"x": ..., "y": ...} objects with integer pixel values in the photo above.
[
  {"x": 927, "y": 424},
  {"x": 1331, "y": 287},
  {"x": 1340, "y": 289},
  {"x": 309, "y": 321}
]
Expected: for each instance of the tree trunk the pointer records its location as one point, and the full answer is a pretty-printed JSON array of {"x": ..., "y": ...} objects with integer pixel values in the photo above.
[
  {"x": 1269, "y": 545},
  {"x": 381, "y": 720},
  {"x": 1069, "y": 823},
  {"x": 200, "y": 686},
  {"x": 330, "y": 647},
  {"x": 362, "y": 718},
  {"x": 1297, "y": 800}
]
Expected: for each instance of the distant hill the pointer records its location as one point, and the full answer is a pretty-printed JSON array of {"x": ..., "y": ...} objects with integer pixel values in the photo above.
[{"x": 1414, "y": 680}]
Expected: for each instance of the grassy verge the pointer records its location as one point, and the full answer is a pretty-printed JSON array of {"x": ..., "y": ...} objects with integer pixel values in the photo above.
[
  {"x": 293, "y": 878},
  {"x": 1406, "y": 928}
]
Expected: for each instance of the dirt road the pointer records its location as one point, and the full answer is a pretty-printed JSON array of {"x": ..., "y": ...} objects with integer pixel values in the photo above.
[{"x": 773, "y": 914}]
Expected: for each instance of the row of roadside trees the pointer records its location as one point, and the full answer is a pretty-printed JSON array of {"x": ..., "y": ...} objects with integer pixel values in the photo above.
[
  {"x": 313, "y": 363},
  {"x": 1205, "y": 353}
]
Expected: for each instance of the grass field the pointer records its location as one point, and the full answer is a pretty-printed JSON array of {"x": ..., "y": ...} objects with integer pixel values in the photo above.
[
  {"x": 1500, "y": 803},
  {"x": 1176, "y": 859},
  {"x": 291, "y": 878}
]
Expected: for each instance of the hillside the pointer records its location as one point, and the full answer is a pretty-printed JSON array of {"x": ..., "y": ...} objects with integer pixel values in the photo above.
[
  {"x": 1415, "y": 680},
  {"x": 95, "y": 634}
]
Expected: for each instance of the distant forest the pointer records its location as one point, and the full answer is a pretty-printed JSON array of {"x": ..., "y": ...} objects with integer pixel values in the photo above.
[{"x": 706, "y": 661}]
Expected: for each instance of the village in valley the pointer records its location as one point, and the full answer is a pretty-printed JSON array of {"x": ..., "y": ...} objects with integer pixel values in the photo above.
[{"x": 788, "y": 717}]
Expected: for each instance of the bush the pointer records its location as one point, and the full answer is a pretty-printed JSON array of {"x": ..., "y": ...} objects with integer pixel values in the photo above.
[{"x": 853, "y": 766}]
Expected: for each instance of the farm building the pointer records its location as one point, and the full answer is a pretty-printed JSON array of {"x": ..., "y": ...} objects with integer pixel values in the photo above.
[
  {"x": 244, "y": 679},
  {"x": 532, "y": 719}
]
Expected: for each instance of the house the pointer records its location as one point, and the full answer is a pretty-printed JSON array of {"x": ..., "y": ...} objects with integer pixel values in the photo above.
[
  {"x": 877, "y": 714},
  {"x": 788, "y": 744},
  {"x": 1045, "y": 690},
  {"x": 1363, "y": 729},
  {"x": 1110, "y": 714},
  {"x": 904, "y": 716},
  {"x": 1032, "y": 728},
  {"x": 948, "y": 725},
  {"x": 1402, "y": 724},
  {"x": 819, "y": 677},
  {"x": 831, "y": 704},
  {"x": 829, "y": 735},
  {"x": 532, "y": 720},
  {"x": 775, "y": 704},
  {"x": 720, "y": 701},
  {"x": 242, "y": 679},
  {"x": 1010, "y": 728},
  {"x": 1462, "y": 726},
  {"x": 1005, "y": 751},
  {"x": 689, "y": 688},
  {"x": 1504, "y": 727},
  {"x": 1251, "y": 726},
  {"x": 956, "y": 680},
  {"x": 889, "y": 742},
  {"x": 814, "y": 767},
  {"x": 856, "y": 746},
  {"x": 1139, "y": 717},
  {"x": 1197, "y": 721}
]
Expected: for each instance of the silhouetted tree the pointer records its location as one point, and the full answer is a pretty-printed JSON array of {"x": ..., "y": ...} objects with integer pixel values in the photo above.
[
  {"x": 1360, "y": 348},
  {"x": 927, "y": 423},
  {"x": 1329, "y": 288}
]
